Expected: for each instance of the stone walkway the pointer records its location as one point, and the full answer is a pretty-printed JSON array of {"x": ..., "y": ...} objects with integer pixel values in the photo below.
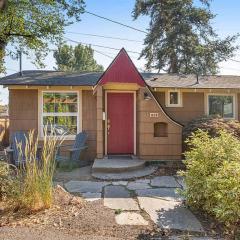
[{"x": 132, "y": 201}]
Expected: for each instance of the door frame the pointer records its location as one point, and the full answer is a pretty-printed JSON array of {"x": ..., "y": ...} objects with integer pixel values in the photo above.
[{"x": 134, "y": 118}]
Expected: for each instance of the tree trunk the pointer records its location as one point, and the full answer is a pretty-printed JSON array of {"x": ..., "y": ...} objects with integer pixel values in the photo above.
[
  {"x": 173, "y": 64},
  {"x": 2, "y": 55},
  {"x": 3, "y": 4}
]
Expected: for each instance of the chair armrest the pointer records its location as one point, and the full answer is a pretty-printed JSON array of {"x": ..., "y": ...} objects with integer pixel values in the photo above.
[
  {"x": 76, "y": 149},
  {"x": 66, "y": 145},
  {"x": 8, "y": 150}
]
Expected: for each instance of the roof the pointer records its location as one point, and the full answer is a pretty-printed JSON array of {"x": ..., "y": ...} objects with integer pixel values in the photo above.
[
  {"x": 51, "y": 78},
  {"x": 191, "y": 81},
  {"x": 155, "y": 80}
]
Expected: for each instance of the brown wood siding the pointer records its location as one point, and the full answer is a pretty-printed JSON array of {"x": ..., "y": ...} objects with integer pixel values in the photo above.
[
  {"x": 156, "y": 148},
  {"x": 193, "y": 106},
  {"x": 23, "y": 110},
  {"x": 89, "y": 122}
]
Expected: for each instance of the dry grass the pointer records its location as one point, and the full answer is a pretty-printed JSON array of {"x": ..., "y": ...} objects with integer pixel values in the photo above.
[{"x": 34, "y": 180}]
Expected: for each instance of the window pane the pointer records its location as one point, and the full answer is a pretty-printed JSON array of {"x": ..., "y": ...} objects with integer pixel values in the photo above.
[
  {"x": 173, "y": 97},
  {"x": 60, "y": 102},
  {"x": 221, "y": 105},
  {"x": 62, "y": 124},
  {"x": 48, "y": 120},
  {"x": 66, "y": 107}
]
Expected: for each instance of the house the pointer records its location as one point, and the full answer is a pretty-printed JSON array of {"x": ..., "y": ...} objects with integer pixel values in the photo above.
[{"x": 123, "y": 111}]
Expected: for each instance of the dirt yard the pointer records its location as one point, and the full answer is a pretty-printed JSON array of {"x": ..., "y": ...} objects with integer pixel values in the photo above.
[{"x": 70, "y": 218}]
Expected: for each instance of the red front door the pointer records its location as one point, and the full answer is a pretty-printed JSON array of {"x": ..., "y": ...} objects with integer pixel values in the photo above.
[{"x": 120, "y": 123}]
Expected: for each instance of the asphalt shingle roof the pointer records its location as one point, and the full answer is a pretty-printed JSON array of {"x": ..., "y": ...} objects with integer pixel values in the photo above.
[
  {"x": 51, "y": 78},
  {"x": 56, "y": 78}
]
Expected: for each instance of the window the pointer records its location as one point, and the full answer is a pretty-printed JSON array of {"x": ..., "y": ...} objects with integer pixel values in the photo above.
[
  {"x": 222, "y": 105},
  {"x": 60, "y": 110},
  {"x": 160, "y": 129},
  {"x": 173, "y": 99}
]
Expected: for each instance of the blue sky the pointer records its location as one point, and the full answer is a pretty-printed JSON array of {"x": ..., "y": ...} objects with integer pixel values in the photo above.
[{"x": 226, "y": 23}]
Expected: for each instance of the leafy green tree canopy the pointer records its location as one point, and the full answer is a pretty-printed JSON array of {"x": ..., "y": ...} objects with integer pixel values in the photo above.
[
  {"x": 76, "y": 59},
  {"x": 181, "y": 38},
  {"x": 32, "y": 25}
]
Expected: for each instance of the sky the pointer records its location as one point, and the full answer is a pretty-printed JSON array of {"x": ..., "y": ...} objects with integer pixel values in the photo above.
[{"x": 226, "y": 23}]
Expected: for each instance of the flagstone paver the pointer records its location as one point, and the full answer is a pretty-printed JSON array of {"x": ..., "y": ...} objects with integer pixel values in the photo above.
[
  {"x": 159, "y": 197},
  {"x": 125, "y": 175},
  {"x": 138, "y": 185},
  {"x": 123, "y": 183},
  {"x": 170, "y": 194},
  {"x": 164, "y": 181},
  {"x": 170, "y": 214},
  {"x": 85, "y": 186},
  {"x": 130, "y": 218},
  {"x": 181, "y": 181},
  {"x": 90, "y": 197},
  {"x": 118, "y": 197}
]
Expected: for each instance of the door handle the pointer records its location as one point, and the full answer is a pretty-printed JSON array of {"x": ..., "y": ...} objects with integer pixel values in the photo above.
[{"x": 108, "y": 126}]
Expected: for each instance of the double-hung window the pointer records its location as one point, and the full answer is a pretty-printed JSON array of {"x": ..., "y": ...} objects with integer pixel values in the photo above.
[
  {"x": 60, "y": 110},
  {"x": 173, "y": 98},
  {"x": 222, "y": 105}
]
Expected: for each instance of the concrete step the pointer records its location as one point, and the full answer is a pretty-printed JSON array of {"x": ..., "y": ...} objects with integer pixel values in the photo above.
[
  {"x": 117, "y": 165},
  {"x": 127, "y": 175}
]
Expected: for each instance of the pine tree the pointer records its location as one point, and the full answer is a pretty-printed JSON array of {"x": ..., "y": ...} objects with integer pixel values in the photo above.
[
  {"x": 76, "y": 59},
  {"x": 181, "y": 38}
]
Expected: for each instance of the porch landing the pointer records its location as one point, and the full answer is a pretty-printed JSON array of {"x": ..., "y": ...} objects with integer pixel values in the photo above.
[{"x": 120, "y": 168}]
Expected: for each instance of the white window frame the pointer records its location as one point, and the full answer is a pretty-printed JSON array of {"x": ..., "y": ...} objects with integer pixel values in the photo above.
[
  {"x": 168, "y": 104},
  {"x": 77, "y": 114},
  {"x": 226, "y": 95}
]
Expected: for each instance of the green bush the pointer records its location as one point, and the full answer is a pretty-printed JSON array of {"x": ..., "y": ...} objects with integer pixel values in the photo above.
[
  {"x": 8, "y": 181},
  {"x": 211, "y": 124},
  {"x": 213, "y": 176}
]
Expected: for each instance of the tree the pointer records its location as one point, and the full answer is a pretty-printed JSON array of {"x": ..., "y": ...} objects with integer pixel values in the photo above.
[
  {"x": 32, "y": 25},
  {"x": 180, "y": 37},
  {"x": 76, "y": 59}
]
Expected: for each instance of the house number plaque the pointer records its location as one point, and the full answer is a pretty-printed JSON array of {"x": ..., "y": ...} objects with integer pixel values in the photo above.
[{"x": 153, "y": 115}]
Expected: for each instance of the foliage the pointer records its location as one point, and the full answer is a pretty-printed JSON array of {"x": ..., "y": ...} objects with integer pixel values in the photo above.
[
  {"x": 32, "y": 25},
  {"x": 211, "y": 124},
  {"x": 212, "y": 176},
  {"x": 76, "y": 59},
  {"x": 181, "y": 39},
  {"x": 7, "y": 180}
]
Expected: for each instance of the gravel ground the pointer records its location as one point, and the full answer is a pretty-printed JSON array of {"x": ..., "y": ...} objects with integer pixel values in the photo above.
[
  {"x": 27, "y": 233},
  {"x": 69, "y": 218}
]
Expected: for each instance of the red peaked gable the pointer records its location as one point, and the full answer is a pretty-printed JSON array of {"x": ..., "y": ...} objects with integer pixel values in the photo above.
[{"x": 122, "y": 70}]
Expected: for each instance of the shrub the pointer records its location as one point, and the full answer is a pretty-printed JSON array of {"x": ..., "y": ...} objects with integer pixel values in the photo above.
[
  {"x": 211, "y": 124},
  {"x": 213, "y": 175},
  {"x": 7, "y": 180}
]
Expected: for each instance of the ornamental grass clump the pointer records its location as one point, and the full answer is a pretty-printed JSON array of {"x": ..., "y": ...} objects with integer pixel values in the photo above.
[
  {"x": 36, "y": 175},
  {"x": 212, "y": 176}
]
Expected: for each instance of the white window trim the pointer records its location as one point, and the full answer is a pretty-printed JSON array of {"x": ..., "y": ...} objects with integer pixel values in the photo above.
[
  {"x": 223, "y": 94},
  {"x": 167, "y": 98},
  {"x": 42, "y": 114}
]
